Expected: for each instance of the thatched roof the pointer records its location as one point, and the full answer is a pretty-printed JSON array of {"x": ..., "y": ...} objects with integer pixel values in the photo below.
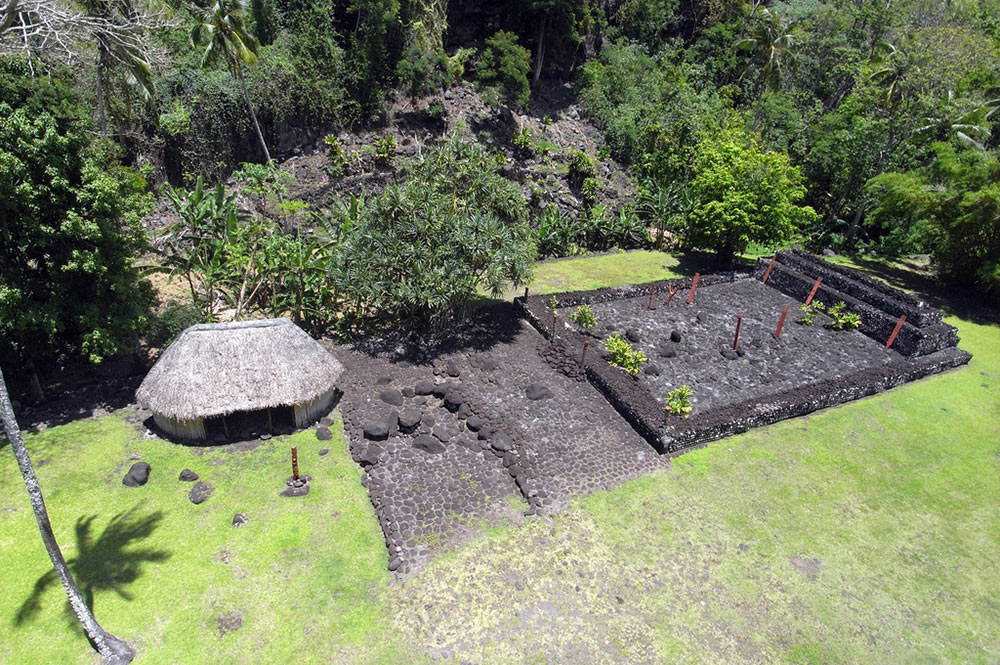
[{"x": 216, "y": 369}]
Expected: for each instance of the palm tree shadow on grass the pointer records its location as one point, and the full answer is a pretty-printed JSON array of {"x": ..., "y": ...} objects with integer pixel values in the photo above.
[{"x": 107, "y": 563}]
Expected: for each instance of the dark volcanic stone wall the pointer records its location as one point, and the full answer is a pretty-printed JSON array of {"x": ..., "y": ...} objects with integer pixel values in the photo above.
[
  {"x": 875, "y": 323},
  {"x": 864, "y": 288},
  {"x": 931, "y": 349}
]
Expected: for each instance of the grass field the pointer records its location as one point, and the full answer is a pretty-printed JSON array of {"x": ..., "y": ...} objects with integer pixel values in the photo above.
[{"x": 867, "y": 533}]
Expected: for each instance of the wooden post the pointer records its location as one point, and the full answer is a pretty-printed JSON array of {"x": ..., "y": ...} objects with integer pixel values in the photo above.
[
  {"x": 767, "y": 273},
  {"x": 739, "y": 325},
  {"x": 781, "y": 322},
  {"x": 583, "y": 356},
  {"x": 672, "y": 291},
  {"x": 652, "y": 292},
  {"x": 694, "y": 285},
  {"x": 895, "y": 331},
  {"x": 526, "y": 293},
  {"x": 295, "y": 464},
  {"x": 812, "y": 293}
]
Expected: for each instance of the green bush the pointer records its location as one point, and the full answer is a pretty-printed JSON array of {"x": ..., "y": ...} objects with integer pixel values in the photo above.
[
  {"x": 504, "y": 66},
  {"x": 581, "y": 167},
  {"x": 584, "y": 317},
  {"x": 624, "y": 356},
  {"x": 337, "y": 156},
  {"x": 843, "y": 320},
  {"x": 589, "y": 192},
  {"x": 677, "y": 401},
  {"x": 385, "y": 149},
  {"x": 809, "y": 312}
]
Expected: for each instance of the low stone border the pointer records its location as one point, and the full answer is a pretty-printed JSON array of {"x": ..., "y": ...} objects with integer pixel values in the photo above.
[
  {"x": 935, "y": 344},
  {"x": 861, "y": 286},
  {"x": 875, "y": 323}
]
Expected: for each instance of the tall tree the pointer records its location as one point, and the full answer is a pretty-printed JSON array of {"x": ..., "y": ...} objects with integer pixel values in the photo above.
[
  {"x": 225, "y": 36},
  {"x": 114, "y": 650},
  {"x": 774, "y": 45}
]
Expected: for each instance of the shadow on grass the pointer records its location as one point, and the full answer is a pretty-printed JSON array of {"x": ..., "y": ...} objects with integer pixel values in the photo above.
[
  {"x": 104, "y": 564},
  {"x": 955, "y": 300}
]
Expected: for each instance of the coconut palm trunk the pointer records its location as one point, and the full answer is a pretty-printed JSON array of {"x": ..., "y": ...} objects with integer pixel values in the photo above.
[
  {"x": 112, "y": 649},
  {"x": 253, "y": 116}
]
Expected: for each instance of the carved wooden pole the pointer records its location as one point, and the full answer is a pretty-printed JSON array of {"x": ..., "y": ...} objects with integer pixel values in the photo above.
[
  {"x": 652, "y": 292},
  {"x": 694, "y": 285},
  {"x": 767, "y": 273},
  {"x": 672, "y": 291},
  {"x": 781, "y": 322},
  {"x": 295, "y": 463},
  {"x": 739, "y": 325},
  {"x": 895, "y": 331},
  {"x": 819, "y": 280}
]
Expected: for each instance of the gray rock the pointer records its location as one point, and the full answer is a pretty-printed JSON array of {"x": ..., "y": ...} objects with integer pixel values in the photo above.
[
  {"x": 138, "y": 475},
  {"x": 428, "y": 444},
  {"x": 323, "y": 452},
  {"x": 452, "y": 368},
  {"x": 475, "y": 423},
  {"x": 200, "y": 492},
  {"x": 324, "y": 434},
  {"x": 409, "y": 419},
  {"x": 443, "y": 433},
  {"x": 829, "y": 252},
  {"x": 509, "y": 458},
  {"x": 239, "y": 519},
  {"x": 675, "y": 336},
  {"x": 424, "y": 387},
  {"x": 537, "y": 391},
  {"x": 651, "y": 369},
  {"x": 371, "y": 455},
  {"x": 376, "y": 430},
  {"x": 633, "y": 335},
  {"x": 188, "y": 476},
  {"x": 729, "y": 354},
  {"x": 296, "y": 491},
  {"x": 501, "y": 442},
  {"x": 452, "y": 400},
  {"x": 392, "y": 396}
]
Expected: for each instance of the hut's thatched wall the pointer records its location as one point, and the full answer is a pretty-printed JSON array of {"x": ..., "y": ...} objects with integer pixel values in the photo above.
[
  {"x": 212, "y": 370},
  {"x": 188, "y": 430},
  {"x": 307, "y": 413}
]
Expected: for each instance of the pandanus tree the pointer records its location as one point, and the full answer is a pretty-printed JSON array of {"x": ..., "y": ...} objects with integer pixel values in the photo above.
[
  {"x": 112, "y": 649},
  {"x": 224, "y": 36}
]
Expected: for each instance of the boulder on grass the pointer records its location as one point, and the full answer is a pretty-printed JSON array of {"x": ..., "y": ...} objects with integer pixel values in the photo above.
[
  {"x": 188, "y": 476},
  {"x": 200, "y": 492},
  {"x": 137, "y": 475}
]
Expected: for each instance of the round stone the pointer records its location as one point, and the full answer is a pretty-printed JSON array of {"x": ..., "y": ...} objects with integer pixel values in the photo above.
[
  {"x": 376, "y": 430},
  {"x": 537, "y": 391},
  {"x": 324, "y": 434},
  {"x": 188, "y": 476},
  {"x": 428, "y": 444},
  {"x": 501, "y": 442},
  {"x": 392, "y": 396}
]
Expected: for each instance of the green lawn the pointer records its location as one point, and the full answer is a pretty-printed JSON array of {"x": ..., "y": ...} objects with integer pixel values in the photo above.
[
  {"x": 306, "y": 575},
  {"x": 867, "y": 533}
]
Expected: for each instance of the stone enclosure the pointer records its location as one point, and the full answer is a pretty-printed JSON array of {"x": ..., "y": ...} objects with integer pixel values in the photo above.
[{"x": 494, "y": 417}]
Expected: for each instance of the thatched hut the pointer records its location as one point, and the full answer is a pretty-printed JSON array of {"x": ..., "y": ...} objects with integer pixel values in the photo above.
[{"x": 217, "y": 375}]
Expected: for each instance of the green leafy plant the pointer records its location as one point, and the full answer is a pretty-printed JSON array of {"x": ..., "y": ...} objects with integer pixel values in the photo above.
[
  {"x": 553, "y": 305},
  {"x": 589, "y": 191},
  {"x": 677, "y": 401},
  {"x": 385, "y": 147},
  {"x": 523, "y": 143},
  {"x": 581, "y": 167},
  {"x": 624, "y": 356},
  {"x": 337, "y": 156},
  {"x": 809, "y": 312},
  {"x": 843, "y": 320},
  {"x": 584, "y": 317},
  {"x": 504, "y": 67}
]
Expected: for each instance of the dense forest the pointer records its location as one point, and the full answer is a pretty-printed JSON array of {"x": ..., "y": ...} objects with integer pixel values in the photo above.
[{"x": 853, "y": 125}]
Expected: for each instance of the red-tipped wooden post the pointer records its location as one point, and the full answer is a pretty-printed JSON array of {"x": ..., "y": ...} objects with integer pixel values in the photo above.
[
  {"x": 739, "y": 325},
  {"x": 583, "y": 356},
  {"x": 895, "y": 331},
  {"x": 694, "y": 285},
  {"x": 295, "y": 464},
  {"x": 767, "y": 273},
  {"x": 672, "y": 291},
  {"x": 652, "y": 292},
  {"x": 781, "y": 322},
  {"x": 812, "y": 293}
]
